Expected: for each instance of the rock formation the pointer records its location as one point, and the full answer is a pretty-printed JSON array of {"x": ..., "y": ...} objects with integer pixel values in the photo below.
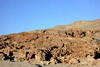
[{"x": 77, "y": 43}]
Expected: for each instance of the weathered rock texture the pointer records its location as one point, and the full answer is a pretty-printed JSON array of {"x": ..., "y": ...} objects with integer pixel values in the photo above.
[{"x": 78, "y": 43}]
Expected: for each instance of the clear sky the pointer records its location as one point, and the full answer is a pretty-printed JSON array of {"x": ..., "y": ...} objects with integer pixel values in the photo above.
[{"x": 26, "y": 15}]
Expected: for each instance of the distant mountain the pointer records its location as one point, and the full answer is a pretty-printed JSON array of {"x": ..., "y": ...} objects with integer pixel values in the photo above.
[{"x": 84, "y": 25}]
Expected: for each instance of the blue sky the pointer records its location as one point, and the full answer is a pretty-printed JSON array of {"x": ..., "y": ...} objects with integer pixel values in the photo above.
[{"x": 26, "y": 15}]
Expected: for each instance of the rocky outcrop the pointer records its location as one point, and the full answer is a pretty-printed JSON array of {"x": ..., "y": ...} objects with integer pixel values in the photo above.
[{"x": 72, "y": 46}]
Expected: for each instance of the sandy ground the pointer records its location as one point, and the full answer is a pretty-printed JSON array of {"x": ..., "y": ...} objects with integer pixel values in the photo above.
[
  {"x": 16, "y": 64},
  {"x": 25, "y": 64}
]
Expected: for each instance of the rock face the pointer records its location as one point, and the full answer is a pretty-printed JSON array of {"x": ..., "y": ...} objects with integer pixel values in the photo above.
[{"x": 71, "y": 44}]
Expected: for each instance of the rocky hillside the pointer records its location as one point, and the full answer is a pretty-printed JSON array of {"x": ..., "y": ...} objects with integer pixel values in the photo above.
[{"x": 75, "y": 44}]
